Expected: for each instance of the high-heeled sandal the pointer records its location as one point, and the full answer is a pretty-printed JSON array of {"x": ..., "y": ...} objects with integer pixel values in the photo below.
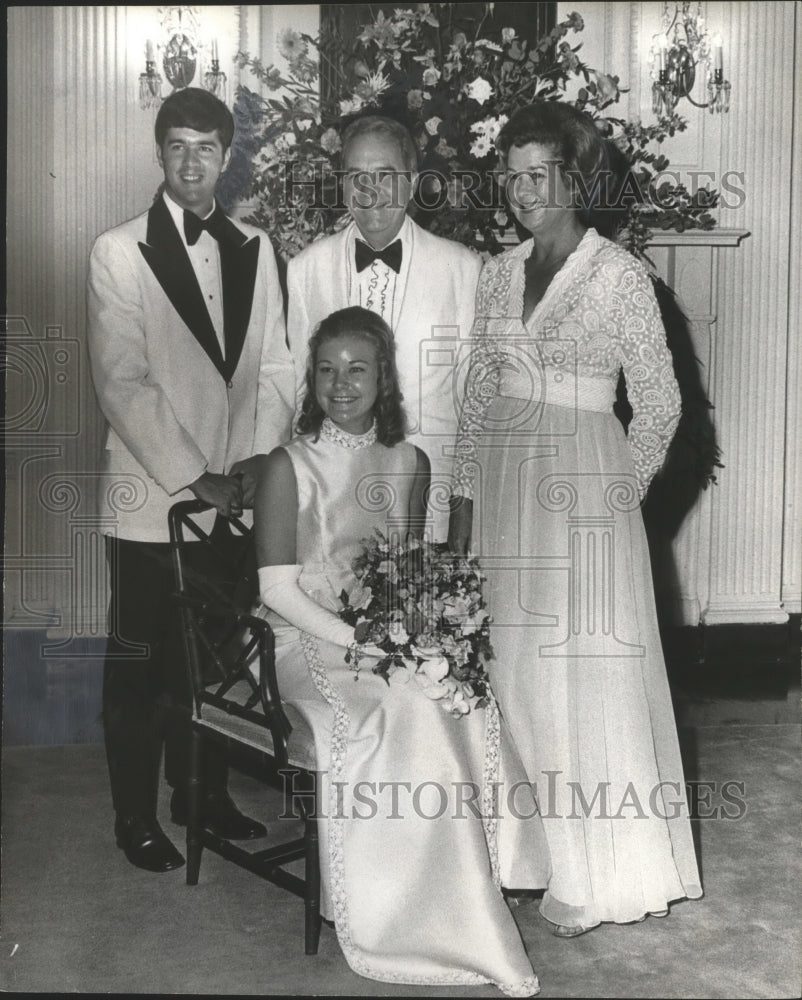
[
  {"x": 651, "y": 913},
  {"x": 562, "y": 931}
]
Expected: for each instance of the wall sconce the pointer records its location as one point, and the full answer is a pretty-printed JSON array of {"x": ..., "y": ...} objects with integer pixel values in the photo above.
[
  {"x": 675, "y": 55},
  {"x": 180, "y": 52}
]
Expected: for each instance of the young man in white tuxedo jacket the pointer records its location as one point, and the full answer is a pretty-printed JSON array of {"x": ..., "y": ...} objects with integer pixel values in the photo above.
[
  {"x": 191, "y": 369},
  {"x": 423, "y": 286}
]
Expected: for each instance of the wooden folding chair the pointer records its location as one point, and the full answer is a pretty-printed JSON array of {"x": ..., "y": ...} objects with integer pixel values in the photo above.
[{"x": 236, "y": 709}]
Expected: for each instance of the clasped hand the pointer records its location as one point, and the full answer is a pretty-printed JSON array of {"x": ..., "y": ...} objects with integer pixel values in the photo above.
[
  {"x": 230, "y": 494},
  {"x": 224, "y": 493}
]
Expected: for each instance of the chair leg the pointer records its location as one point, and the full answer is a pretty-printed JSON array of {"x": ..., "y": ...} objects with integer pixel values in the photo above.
[
  {"x": 312, "y": 895},
  {"x": 194, "y": 802}
]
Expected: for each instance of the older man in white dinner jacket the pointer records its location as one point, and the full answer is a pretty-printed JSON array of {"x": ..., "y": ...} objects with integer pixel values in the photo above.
[{"x": 422, "y": 285}]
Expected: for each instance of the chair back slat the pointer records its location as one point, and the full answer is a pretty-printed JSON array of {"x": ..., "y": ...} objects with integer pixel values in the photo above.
[{"x": 216, "y": 582}]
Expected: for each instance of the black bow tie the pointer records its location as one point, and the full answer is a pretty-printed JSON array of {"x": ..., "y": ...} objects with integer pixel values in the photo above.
[
  {"x": 193, "y": 226},
  {"x": 391, "y": 255}
]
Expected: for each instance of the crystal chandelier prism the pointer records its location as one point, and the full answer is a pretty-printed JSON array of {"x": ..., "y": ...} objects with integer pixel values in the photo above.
[
  {"x": 179, "y": 55},
  {"x": 683, "y": 48}
]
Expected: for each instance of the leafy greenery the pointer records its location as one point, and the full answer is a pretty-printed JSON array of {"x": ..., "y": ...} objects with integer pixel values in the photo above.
[{"x": 453, "y": 92}]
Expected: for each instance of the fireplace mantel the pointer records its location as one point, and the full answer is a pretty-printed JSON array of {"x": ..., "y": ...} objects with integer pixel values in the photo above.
[{"x": 697, "y": 237}]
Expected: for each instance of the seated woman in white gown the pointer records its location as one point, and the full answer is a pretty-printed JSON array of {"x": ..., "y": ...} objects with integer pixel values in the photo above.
[{"x": 412, "y": 866}]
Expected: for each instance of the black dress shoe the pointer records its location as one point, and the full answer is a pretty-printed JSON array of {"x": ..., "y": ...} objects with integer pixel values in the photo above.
[
  {"x": 219, "y": 816},
  {"x": 146, "y": 845}
]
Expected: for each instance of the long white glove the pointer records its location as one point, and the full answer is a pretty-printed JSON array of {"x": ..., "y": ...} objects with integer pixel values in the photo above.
[{"x": 279, "y": 590}]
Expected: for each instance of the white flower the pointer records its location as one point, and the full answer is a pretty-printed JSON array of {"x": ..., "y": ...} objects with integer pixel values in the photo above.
[
  {"x": 269, "y": 155},
  {"x": 432, "y": 125},
  {"x": 608, "y": 86},
  {"x": 480, "y": 147},
  {"x": 360, "y": 598},
  {"x": 507, "y": 35},
  {"x": 430, "y": 688},
  {"x": 388, "y": 567},
  {"x": 487, "y": 133},
  {"x": 458, "y": 704},
  {"x": 351, "y": 105},
  {"x": 496, "y": 125},
  {"x": 330, "y": 141},
  {"x": 372, "y": 86},
  {"x": 303, "y": 124},
  {"x": 286, "y": 141},
  {"x": 398, "y": 634},
  {"x": 436, "y": 668},
  {"x": 430, "y": 76},
  {"x": 290, "y": 44},
  {"x": 479, "y": 89},
  {"x": 490, "y": 127},
  {"x": 427, "y": 652},
  {"x": 457, "y": 608},
  {"x": 461, "y": 653},
  {"x": 485, "y": 43}
]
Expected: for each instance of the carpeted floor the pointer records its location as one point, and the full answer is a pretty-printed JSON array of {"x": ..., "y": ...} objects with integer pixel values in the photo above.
[{"x": 77, "y": 918}]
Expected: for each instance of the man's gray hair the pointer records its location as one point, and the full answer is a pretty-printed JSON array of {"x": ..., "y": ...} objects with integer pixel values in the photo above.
[{"x": 387, "y": 127}]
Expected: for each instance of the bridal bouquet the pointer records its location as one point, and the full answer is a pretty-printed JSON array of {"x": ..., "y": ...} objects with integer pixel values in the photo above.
[{"x": 423, "y": 607}]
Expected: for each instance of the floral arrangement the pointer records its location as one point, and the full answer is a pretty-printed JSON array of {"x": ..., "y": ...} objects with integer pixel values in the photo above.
[
  {"x": 454, "y": 89},
  {"x": 423, "y": 607}
]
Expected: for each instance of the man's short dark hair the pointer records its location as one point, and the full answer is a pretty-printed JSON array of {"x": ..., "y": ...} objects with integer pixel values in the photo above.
[{"x": 197, "y": 109}]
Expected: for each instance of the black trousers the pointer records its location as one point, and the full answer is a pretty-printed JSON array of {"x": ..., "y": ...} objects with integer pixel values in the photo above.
[{"x": 146, "y": 690}]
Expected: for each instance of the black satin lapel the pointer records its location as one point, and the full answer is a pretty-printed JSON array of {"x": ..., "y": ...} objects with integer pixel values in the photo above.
[
  {"x": 239, "y": 257},
  {"x": 167, "y": 258}
]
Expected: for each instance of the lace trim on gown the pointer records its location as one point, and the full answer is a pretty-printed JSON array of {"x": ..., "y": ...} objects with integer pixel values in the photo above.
[
  {"x": 339, "y": 748},
  {"x": 489, "y": 785},
  {"x": 329, "y": 431}
]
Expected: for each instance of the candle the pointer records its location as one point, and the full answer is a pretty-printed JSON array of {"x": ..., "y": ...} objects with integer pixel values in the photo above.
[
  {"x": 718, "y": 52},
  {"x": 149, "y": 51},
  {"x": 662, "y": 45},
  {"x": 214, "y": 50}
]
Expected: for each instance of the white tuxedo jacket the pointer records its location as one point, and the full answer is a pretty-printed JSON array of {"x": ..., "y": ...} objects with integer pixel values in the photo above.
[
  {"x": 176, "y": 407},
  {"x": 437, "y": 285}
]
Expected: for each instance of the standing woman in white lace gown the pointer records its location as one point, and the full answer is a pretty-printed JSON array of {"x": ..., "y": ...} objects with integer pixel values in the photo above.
[
  {"x": 557, "y": 484},
  {"x": 411, "y": 869}
]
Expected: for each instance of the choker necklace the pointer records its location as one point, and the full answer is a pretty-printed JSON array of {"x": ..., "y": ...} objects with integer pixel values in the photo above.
[{"x": 329, "y": 431}]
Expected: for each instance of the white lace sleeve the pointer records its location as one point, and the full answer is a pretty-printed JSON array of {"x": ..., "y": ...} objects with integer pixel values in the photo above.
[
  {"x": 648, "y": 369},
  {"x": 482, "y": 385}
]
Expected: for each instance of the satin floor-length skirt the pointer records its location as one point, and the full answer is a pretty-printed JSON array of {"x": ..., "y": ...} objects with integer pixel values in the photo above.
[
  {"x": 579, "y": 671},
  {"x": 413, "y": 852}
]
